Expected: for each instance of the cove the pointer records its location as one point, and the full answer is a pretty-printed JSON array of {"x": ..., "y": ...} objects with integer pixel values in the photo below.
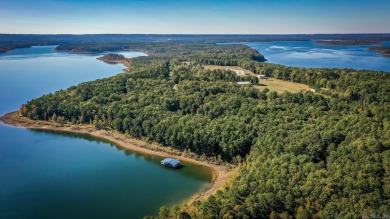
[{"x": 47, "y": 174}]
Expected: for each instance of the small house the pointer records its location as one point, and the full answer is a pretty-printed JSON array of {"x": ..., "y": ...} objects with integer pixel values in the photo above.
[
  {"x": 170, "y": 162},
  {"x": 262, "y": 77},
  {"x": 247, "y": 73}
]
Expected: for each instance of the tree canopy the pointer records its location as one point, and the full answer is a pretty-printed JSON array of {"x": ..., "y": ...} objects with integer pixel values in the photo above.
[{"x": 303, "y": 155}]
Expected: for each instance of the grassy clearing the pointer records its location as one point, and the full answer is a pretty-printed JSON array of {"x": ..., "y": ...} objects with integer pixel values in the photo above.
[
  {"x": 280, "y": 86},
  {"x": 272, "y": 84},
  {"x": 215, "y": 67}
]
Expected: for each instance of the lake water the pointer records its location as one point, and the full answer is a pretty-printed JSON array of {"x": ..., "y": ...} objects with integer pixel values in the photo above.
[
  {"x": 57, "y": 175},
  {"x": 31, "y": 72},
  {"x": 310, "y": 55}
]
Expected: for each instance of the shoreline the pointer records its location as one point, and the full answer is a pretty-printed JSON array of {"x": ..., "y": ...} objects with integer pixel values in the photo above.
[
  {"x": 383, "y": 50},
  {"x": 126, "y": 62},
  {"x": 220, "y": 173},
  {"x": 81, "y": 51}
]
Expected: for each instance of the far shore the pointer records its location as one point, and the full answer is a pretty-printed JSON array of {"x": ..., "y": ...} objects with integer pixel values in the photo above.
[
  {"x": 221, "y": 173},
  {"x": 81, "y": 51}
]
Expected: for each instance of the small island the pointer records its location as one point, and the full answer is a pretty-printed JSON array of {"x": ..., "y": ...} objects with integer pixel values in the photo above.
[
  {"x": 384, "y": 50},
  {"x": 113, "y": 58},
  {"x": 347, "y": 42}
]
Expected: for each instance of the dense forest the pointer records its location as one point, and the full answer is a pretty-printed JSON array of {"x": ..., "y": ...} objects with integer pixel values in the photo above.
[
  {"x": 299, "y": 155},
  {"x": 113, "y": 57}
]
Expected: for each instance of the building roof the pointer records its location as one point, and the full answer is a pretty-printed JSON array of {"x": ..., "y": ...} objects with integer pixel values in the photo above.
[
  {"x": 244, "y": 83},
  {"x": 171, "y": 161}
]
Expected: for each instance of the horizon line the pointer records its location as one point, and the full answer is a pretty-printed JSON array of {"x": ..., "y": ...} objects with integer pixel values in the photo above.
[{"x": 244, "y": 34}]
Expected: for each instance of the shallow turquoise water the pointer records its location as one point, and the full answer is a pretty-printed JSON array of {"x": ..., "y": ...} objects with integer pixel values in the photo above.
[{"x": 59, "y": 175}]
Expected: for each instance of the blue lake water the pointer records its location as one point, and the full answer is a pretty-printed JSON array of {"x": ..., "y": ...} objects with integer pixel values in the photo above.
[
  {"x": 310, "y": 55},
  {"x": 31, "y": 72},
  {"x": 57, "y": 175}
]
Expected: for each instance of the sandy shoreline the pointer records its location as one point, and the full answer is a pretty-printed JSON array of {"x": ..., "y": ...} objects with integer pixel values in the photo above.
[
  {"x": 126, "y": 62},
  {"x": 220, "y": 172}
]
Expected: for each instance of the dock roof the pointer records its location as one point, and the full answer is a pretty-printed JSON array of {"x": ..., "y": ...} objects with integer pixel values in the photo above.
[
  {"x": 171, "y": 161},
  {"x": 244, "y": 83}
]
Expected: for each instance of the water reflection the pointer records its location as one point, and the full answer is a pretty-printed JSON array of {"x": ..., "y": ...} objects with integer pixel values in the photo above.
[{"x": 202, "y": 173}]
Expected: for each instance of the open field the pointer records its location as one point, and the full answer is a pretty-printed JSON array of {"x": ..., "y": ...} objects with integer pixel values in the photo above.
[
  {"x": 271, "y": 83},
  {"x": 215, "y": 67},
  {"x": 280, "y": 86}
]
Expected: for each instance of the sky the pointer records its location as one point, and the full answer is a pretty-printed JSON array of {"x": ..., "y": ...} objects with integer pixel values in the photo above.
[{"x": 194, "y": 16}]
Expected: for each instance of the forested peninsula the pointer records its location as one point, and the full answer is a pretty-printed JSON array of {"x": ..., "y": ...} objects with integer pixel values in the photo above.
[
  {"x": 305, "y": 155},
  {"x": 113, "y": 58}
]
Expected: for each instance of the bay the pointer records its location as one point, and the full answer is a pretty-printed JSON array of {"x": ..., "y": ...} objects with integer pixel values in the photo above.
[
  {"x": 45, "y": 174},
  {"x": 31, "y": 72}
]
